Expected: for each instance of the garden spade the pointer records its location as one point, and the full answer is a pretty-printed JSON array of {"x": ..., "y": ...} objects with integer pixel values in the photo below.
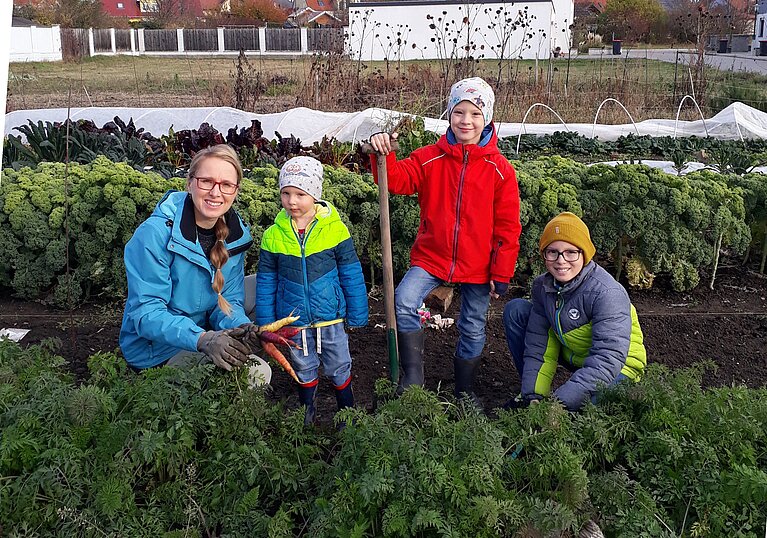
[{"x": 388, "y": 267}]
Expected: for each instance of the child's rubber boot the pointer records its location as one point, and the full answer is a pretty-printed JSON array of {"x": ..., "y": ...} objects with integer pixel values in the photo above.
[
  {"x": 465, "y": 372},
  {"x": 307, "y": 395},
  {"x": 345, "y": 395},
  {"x": 410, "y": 346},
  {"x": 344, "y": 399}
]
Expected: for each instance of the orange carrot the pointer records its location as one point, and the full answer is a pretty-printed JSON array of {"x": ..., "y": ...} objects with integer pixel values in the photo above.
[
  {"x": 277, "y": 355},
  {"x": 277, "y": 325}
]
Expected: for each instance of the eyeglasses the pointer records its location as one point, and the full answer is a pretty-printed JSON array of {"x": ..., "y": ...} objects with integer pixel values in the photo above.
[
  {"x": 207, "y": 184},
  {"x": 551, "y": 255}
]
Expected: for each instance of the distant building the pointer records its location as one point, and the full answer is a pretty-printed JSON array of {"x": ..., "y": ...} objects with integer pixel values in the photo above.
[
  {"x": 124, "y": 9},
  {"x": 438, "y": 29},
  {"x": 316, "y": 13},
  {"x": 759, "y": 45},
  {"x": 21, "y": 22},
  {"x": 187, "y": 8},
  {"x": 589, "y": 7}
]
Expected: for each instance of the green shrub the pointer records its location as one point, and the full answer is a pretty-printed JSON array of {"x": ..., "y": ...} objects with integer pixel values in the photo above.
[{"x": 63, "y": 229}]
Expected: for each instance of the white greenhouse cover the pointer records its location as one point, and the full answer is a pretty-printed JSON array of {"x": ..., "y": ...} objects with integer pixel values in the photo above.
[
  {"x": 737, "y": 121},
  {"x": 668, "y": 166}
]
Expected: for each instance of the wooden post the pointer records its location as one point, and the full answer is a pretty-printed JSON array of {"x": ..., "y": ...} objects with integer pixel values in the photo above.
[
  {"x": 440, "y": 298},
  {"x": 676, "y": 71}
]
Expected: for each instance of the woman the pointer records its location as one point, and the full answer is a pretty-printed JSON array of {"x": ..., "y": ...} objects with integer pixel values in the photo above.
[{"x": 185, "y": 269}]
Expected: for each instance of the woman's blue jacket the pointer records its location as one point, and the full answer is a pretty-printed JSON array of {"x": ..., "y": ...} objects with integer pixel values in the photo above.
[{"x": 170, "y": 296}]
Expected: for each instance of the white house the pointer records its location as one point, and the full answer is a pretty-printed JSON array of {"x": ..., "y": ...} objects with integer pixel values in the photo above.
[
  {"x": 759, "y": 45},
  {"x": 429, "y": 29}
]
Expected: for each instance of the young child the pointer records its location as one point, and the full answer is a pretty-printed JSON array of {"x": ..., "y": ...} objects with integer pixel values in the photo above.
[
  {"x": 580, "y": 316},
  {"x": 469, "y": 228},
  {"x": 308, "y": 267}
]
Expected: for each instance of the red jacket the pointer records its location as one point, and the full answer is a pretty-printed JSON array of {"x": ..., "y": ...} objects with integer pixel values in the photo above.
[{"x": 469, "y": 228}]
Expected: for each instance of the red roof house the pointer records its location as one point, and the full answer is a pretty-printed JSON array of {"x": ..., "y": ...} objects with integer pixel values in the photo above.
[
  {"x": 594, "y": 6},
  {"x": 122, "y": 8},
  {"x": 316, "y": 13},
  {"x": 180, "y": 8}
]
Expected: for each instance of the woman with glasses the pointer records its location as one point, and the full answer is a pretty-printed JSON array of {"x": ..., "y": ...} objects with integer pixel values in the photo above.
[
  {"x": 579, "y": 317},
  {"x": 185, "y": 269}
]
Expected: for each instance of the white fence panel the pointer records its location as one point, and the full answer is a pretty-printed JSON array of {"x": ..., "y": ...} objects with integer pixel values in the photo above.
[{"x": 33, "y": 44}]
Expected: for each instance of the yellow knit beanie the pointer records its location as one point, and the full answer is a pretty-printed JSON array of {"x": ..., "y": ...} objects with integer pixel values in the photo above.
[{"x": 568, "y": 227}]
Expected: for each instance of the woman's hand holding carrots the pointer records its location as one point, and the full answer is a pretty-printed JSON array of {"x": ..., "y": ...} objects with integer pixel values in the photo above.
[{"x": 267, "y": 337}]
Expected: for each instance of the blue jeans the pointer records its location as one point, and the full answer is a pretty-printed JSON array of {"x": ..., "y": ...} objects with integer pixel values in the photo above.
[
  {"x": 475, "y": 302},
  {"x": 515, "y": 316},
  {"x": 333, "y": 355},
  {"x": 516, "y": 313}
]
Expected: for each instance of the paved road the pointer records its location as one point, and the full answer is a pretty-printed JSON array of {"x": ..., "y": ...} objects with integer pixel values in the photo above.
[{"x": 739, "y": 61}]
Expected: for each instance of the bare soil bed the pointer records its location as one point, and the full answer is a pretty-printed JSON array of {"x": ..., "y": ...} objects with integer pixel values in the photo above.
[{"x": 727, "y": 325}]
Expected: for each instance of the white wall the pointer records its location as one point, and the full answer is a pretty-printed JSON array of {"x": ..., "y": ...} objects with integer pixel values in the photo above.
[
  {"x": 400, "y": 30},
  {"x": 564, "y": 13},
  {"x": 32, "y": 44},
  {"x": 5, "y": 25}
]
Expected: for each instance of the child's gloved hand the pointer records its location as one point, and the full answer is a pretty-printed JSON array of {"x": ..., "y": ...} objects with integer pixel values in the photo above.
[
  {"x": 224, "y": 350},
  {"x": 381, "y": 142},
  {"x": 521, "y": 402}
]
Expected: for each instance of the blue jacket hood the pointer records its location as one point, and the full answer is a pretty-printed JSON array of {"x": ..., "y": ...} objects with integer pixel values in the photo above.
[{"x": 179, "y": 203}]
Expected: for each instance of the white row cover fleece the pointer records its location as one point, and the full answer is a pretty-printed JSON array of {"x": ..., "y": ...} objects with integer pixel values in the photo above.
[{"x": 736, "y": 122}]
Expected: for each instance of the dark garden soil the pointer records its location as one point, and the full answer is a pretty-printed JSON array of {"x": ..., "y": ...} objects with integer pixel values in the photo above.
[{"x": 727, "y": 325}]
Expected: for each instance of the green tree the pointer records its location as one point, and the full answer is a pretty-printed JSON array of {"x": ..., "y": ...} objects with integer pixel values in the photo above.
[
  {"x": 632, "y": 20},
  {"x": 67, "y": 13},
  {"x": 258, "y": 10}
]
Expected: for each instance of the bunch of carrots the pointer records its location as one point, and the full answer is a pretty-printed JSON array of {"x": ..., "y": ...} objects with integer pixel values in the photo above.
[{"x": 276, "y": 333}]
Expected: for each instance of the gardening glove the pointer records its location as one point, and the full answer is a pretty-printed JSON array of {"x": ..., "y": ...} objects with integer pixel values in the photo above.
[
  {"x": 224, "y": 350},
  {"x": 247, "y": 333},
  {"x": 500, "y": 288},
  {"x": 521, "y": 402}
]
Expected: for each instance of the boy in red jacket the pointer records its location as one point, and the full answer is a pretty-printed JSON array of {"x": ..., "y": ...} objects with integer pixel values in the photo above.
[{"x": 469, "y": 228}]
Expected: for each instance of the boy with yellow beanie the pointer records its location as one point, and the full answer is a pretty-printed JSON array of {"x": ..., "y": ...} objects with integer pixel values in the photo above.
[{"x": 579, "y": 316}]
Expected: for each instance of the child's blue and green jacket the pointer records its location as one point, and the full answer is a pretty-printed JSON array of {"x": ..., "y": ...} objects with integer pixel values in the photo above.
[
  {"x": 590, "y": 326},
  {"x": 319, "y": 279}
]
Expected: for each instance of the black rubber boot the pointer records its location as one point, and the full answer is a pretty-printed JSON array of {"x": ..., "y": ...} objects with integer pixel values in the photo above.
[
  {"x": 345, "y": 396},
  {"x": 344, "y": 399},
  {"x": 465, "y": 372},
  {"x": 307, "y": 396},
  {"x": 410, "y": 346}
]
